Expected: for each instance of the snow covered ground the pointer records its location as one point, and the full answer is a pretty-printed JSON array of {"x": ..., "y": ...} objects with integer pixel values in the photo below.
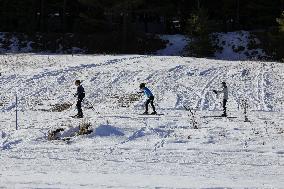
[
  {"x": 19, "y": 43},
  {"x": 14, "y": 45},
  {"x": 129, "y": 150},
  {"x": 241, "y": 45},
  {"x": 176, "y": 45}
]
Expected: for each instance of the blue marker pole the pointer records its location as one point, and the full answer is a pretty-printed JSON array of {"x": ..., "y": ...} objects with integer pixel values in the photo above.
[{"x": 16, "y": 112}]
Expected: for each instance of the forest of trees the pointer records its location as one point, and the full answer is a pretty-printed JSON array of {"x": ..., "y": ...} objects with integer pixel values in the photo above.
[
  {"x": 88, "y": 16},
  {"x": 103, "y": 17}
]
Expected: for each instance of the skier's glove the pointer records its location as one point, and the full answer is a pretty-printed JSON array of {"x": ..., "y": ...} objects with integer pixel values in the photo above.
[{"x": 214, "y": 91}]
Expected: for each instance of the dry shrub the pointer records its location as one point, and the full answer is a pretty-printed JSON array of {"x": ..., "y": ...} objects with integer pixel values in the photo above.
[
  {"x": 84, "y": 128},
  {"x": 55, "y": 134},
  {"x": 60, "y": 107}
]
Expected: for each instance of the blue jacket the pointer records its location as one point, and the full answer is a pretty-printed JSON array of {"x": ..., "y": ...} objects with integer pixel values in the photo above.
[{"x": 147, "y": 92}]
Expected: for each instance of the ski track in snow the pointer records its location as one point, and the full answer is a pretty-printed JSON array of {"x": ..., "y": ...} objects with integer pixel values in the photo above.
[{"x": 128, "y": 150}]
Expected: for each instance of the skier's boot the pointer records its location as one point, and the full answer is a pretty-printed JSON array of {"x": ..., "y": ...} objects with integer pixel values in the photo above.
[
  {"x": 154, "y": 113},
  {"x": 224, "y": 115},
  {"x": 145, "y": 113}
]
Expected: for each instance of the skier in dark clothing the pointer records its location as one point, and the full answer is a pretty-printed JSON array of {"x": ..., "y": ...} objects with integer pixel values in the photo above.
[
  {"x": 81, "y": 94},
  {"x": 150, "y": 99},
  {"x": 225, "y": 98}
]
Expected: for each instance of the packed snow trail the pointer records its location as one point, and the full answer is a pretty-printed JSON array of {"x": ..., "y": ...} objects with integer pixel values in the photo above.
[{"x": 127, "y": 150}]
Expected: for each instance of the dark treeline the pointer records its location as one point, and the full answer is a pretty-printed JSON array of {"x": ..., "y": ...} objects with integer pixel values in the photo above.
[
  {"x": 88, "y": 16},
  {"x": 120, "y": 26}
]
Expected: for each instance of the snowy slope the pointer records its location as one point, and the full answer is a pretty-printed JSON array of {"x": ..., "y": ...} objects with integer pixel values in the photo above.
[{"x": 128, "y": 150}]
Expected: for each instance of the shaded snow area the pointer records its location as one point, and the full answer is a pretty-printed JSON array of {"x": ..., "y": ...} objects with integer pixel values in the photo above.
[
  {"x": 239, "y": 45},
  {"x": 126, "y": 149},
  {"x": 175, "y": 46},
  {"x": 12, "y": 43}
]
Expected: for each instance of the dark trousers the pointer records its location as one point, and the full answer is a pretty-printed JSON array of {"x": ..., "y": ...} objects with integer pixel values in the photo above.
[
  {"x": 225, "y": 106},
  {"x": 150, "y": 101},
  {"x": 79, "y": 106}
]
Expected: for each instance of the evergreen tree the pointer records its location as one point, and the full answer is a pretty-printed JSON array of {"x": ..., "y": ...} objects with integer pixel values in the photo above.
[
  {"x": 90, "y": 18},
  {"x": 280, "y": 21},
  {"x": 17, "y": 15},
  {"x": 198, "y": 26},
  {"x": 259, "y": 14},
  {"x": 280, "y": 38}
]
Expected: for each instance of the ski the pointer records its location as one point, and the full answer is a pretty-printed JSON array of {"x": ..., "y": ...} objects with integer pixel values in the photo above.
[
  {"x": 152, "y": 114},
  {"x": 229, "y": 117},
  {"x": 76, "y": 117}
]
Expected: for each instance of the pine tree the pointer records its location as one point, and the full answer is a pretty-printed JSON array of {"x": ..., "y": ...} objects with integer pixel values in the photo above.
[
  {"x": 280, "y": 21},
  {"x": 198, "y": 27},
  {"x": 259, "y": 13},
  {"x": 280, "y": 38},
  {"x": 17, "y": 15}
]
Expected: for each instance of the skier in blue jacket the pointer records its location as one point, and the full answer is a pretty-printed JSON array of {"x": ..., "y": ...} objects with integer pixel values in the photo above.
[{"x": 150, "y": 99}]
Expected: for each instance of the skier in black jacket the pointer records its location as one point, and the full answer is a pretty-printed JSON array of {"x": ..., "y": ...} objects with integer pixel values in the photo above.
[{"x": 81, "y": 94}]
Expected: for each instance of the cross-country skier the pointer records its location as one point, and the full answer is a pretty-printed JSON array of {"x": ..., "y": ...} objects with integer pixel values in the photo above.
[
  {"x": 225, "y": 97},
  {"x": 150, "y": 99},
  {"x": 81, "y": 94}
]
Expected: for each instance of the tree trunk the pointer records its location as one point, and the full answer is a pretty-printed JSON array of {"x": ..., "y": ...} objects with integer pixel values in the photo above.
[
  {"x": 125, "y": 26},
  {"x": 238, "y": 13},
  {"x": 42, "y": 16},
  {"x": 145, "y": 23},
  {"x": 198, "y": 4},
  {"x": 64, "y": 17},
  {"x": 124, "y": 31},
  {"x": 33, "y": 24}
]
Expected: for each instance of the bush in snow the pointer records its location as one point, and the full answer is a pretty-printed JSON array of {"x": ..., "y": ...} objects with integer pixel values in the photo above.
[
  {"x": 84, "y": 128},
  {"x": 61, "y": 107},
  {"x": 55, "y": 134},
  {"x": 61, "y": 133}
]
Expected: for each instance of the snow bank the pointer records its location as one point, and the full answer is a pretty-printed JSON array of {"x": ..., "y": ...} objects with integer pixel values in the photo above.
[{"x": 108, "y": 130}]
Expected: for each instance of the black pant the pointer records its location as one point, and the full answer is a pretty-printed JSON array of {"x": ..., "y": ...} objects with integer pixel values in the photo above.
[
  {"x": 150, "y": 100},
  {"x": 225, "y": 106},
  {"x": 79, "y": 106}
]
